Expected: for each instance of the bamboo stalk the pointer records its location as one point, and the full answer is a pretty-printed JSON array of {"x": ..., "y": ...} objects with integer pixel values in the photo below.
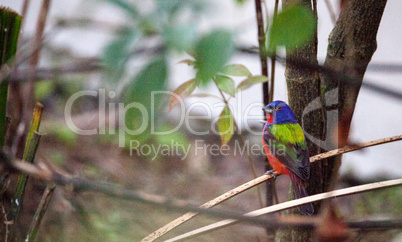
[{"x": 31, "y": 147}]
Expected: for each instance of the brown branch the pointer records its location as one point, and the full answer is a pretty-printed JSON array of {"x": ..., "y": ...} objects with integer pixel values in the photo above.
[
  {"x": 236, "y": 191},
  {"x": 85, "y": 65},
  {"x": 40, "y": 212},
  {"x": 33, "y": 62}
]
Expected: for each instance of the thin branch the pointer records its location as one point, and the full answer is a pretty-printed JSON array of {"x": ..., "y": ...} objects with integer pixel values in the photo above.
[
  {"x": 262, "y": 49},
  {"x": 273, "y": 62},
  {"x": 291, "y": 204},
  {"x": 80, "y": 66},
  {"x": 40, "y": 212},
  {"x": 351, "y": 148},
  {"x": 236, "y": 191}
]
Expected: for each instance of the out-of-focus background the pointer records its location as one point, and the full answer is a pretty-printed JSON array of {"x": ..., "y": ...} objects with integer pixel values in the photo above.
[{"x": 84, "y": 29}]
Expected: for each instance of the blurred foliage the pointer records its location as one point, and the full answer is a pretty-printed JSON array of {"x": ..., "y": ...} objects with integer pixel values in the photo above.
[
  {"x": 224, "y": 83},
  {"x": 291, "y": 28},
  {"x": 173, "y": 23},
  {"x": 10, "y": 23},
  {"x": 57, "y": 157},
  {"x": 140, "y": 93},
  {"x": 384, "y": 201},
  {"x": 44, "y": 89},
  {"x": 183, "y": 91},
  {"x": 64, "y": 134},
  {"x": 211, "y": 54}
]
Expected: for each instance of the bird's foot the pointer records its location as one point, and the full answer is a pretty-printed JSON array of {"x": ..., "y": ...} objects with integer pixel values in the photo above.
[{"x": 270, "y": 172}]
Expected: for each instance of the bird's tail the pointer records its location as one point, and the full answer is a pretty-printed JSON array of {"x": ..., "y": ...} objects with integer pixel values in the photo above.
[{"x": 300, "y": 192}]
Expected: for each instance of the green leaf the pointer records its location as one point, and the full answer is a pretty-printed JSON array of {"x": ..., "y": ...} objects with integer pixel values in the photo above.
[
  {"x": 205, "y": 95},
  {"x": 251, "y": 81},
  {"x": 151, "y": 78},
  {"x": 225, "y": 84},
  {"x": 174, "y": 137},
  {"x": 212, "y": 52},
  {"x": 235, "y": 70},
  {"x": 183, "y": 91},
  {"x": 291, "y": 28},
  {"x": 226, "y": 125},
  {"x": 187, "y": 61},
  {"x": 117, "y": 53},
  {"x": 10, "y": 23}
]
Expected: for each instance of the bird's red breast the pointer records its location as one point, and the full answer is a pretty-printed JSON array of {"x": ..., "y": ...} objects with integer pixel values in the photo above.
[{"x": 273, "y": 161}]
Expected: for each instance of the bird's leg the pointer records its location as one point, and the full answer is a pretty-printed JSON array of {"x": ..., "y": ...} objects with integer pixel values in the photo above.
[{"x": 270, "y": 172}]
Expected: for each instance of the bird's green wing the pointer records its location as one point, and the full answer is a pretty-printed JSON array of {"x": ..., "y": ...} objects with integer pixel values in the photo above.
[{"x": 287, "y": 143}]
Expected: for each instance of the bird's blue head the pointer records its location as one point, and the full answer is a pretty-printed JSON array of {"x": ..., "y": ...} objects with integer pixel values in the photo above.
[{"x": 278, "y": 112}]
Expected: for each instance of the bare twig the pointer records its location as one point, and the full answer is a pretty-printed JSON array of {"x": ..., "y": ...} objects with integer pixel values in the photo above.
[
  {"x": 80, "y": 66},
  {"x": 40, "y": 212},
  {"x": 236, "y": 191},
  {"x": 291, "y": 204}
]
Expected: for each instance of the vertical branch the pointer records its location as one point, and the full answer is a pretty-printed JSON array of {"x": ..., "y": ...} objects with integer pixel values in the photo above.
[
  {"x": 273, "y": 62},
  {"x": 29, "y": 156},
  {"x": 270, "y": 186},
  {"x": 262, "y": 48},
  {"x": 16, "y": 100},
  {"x": 37, "y": 42}
]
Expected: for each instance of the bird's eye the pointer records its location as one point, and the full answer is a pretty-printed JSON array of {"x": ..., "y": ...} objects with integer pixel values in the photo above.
[{"x": 279, "y": 109}]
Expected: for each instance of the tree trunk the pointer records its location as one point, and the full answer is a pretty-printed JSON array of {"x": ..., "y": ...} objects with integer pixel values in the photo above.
[{"x": 351, "y": 46}]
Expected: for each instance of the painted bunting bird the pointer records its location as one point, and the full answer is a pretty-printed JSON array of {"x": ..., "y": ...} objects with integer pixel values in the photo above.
[{"x": 286, "y": 148}]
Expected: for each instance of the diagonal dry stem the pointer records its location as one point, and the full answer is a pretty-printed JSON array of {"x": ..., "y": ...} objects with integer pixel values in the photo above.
[{"x": 236, "y": 191}]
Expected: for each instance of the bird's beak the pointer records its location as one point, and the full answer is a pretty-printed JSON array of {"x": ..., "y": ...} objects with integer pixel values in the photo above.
[{"x": 267, "y": 110}]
